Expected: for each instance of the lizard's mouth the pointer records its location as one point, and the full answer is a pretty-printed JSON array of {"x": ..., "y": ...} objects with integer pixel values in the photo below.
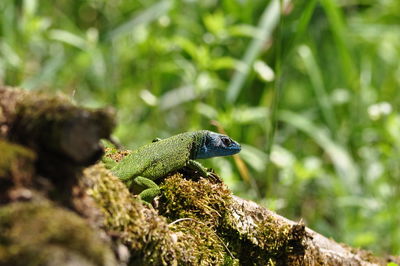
[{"x": 233, "y": 148}]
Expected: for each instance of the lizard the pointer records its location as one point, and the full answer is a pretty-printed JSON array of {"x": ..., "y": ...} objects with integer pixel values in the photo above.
[{"x": 143, "y": 166}]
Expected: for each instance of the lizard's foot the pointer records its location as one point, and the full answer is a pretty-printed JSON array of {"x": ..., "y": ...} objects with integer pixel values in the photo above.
[
  {"x": 149, "y": 194},
  {"x": 196, "y": 166},
  {"x": 204, "y": 172},
  {"x": 213, "y": 177},
  {"x": 152, "y": 189}
]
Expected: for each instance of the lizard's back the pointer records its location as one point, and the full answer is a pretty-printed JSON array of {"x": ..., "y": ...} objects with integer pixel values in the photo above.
[{"x": 159, "y": 158}]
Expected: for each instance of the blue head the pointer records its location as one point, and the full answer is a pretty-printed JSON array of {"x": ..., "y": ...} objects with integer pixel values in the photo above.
[{"x": 215, "y": 144}]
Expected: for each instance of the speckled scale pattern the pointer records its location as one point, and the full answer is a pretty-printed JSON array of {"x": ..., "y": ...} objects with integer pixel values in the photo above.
[{"x": 159, "y": 158}]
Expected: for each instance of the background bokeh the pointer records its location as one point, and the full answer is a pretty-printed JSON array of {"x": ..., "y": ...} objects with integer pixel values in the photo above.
[{"x": 311, "y": 90}]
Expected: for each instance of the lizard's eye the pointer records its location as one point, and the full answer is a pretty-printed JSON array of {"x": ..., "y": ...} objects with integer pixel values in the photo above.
[{"x": 226, "y": 141}]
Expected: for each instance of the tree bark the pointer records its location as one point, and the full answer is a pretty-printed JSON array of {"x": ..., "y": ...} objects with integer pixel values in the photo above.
[{"x": 318, "y": 249}]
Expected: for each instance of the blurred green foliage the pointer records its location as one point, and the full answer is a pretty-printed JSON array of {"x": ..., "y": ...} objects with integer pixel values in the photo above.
[{"x": 313, "y": 94}]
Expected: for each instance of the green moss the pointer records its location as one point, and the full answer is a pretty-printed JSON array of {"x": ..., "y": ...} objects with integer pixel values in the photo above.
[
  {"x": 201, "y": 206},
  {"x": 201, "y": 243},
  {"x": 213, "y": 229},
  {"x": 56, "y": 128},
  {"x": 202, "y": 230},
  {"x": 283, "y": 244},
  {"x": 16, "y": 166},
  {"x": 147, "y": 234},
  {"x": 42, "y": 234},
  {"x": 259, "y": 238},
  {"x": 136, "y": 223},
  {"x": 202, "y": 200}
]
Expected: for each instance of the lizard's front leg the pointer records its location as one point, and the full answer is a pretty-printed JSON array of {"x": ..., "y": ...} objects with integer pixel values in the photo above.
[
  {"x": 197, "y": 167},
  {"x": 203, "y": 171}
]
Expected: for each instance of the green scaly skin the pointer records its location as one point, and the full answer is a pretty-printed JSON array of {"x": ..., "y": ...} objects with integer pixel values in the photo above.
[{"x": 157, "y": 159}]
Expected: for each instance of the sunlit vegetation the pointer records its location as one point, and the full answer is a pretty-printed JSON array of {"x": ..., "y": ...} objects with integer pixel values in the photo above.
[{"x": 311, "y": 90}]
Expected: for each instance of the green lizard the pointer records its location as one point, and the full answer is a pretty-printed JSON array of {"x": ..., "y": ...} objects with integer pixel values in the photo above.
[{"x": 161, "y": 157}]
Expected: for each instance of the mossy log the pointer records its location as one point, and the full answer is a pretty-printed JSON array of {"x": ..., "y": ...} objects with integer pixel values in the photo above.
[
  {"x": 53, "y": 126},
  {"x": 40, "y": 233},
  {"x": 198, "y": 222},
  {"x": 16, "y": 171},
  {"x": 64, "y": 137},
  {"x": 315, "y": 249}
]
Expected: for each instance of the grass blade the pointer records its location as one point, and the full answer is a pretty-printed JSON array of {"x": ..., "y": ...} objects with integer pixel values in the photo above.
[
  {"x": 144, "y": 17},
  {"x": 314, "y": 72},
  {"x": 268, "y": 22}
]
